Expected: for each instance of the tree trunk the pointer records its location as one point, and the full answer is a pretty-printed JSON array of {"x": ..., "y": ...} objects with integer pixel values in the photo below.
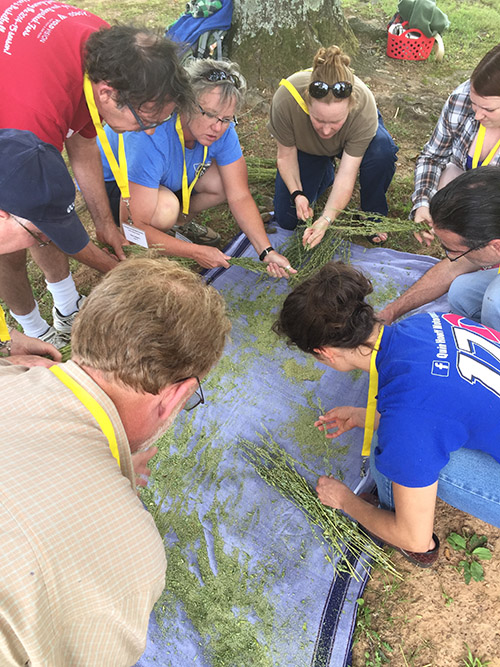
[{"x": 271, "y": 39}]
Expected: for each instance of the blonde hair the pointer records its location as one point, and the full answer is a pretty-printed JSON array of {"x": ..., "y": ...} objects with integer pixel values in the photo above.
[
  {"x": 331, "y": 65},
  {"x": 198, "y": 69},
  {"x": 150, "y": 323}
]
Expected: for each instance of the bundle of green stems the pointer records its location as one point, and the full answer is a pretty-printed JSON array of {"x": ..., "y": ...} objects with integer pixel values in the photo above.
[
  {"x": 248, "y": 264},
  {"x": 344, "y": 541}
]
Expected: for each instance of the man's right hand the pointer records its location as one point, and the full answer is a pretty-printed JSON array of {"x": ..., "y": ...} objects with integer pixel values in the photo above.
[
  {"x": 209, "y": 257},
  {"x": 423, "y": 217}
]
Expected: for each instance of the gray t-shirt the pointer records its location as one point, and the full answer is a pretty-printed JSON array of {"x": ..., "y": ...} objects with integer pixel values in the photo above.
[{"x": 291, "y": 126}]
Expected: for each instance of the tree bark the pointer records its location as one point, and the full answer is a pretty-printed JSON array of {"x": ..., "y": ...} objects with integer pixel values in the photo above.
[{"x": 271, "y": 39}]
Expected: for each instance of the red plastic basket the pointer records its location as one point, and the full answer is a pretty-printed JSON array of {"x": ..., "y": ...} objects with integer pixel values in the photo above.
[{"x": 404, "y": 47}]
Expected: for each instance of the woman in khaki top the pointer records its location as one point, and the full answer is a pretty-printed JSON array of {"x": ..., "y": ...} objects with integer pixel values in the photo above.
[{"x": 317, "y": 115}]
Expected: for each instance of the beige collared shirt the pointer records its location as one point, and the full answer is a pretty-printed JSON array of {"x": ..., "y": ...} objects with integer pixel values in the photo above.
[{"x": 81, "y": 561}]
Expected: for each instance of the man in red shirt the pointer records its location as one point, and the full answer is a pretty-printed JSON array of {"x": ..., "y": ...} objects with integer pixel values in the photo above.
[{"x": 136, "y": 80}]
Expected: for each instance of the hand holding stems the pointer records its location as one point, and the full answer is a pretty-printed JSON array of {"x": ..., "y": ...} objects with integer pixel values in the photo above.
[
  {"x": 111, "y": 235},
  {"x": 209, "y": 257},
  {"x": 423, "y": 216},
  {"x": 343, "y": 419},
  {"x": 278, "y": 266},
  {"x": 331, "y": 492},
  {"x": 27, "y": 351},
  {"x": 303, "y": 208},
  {"x": 314, "y": 234}
]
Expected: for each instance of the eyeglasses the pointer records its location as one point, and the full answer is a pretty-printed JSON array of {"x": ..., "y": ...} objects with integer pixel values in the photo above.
[
  {"x": 447, "y": 251},
  {"x": 39, "y": 240},
  {"x": 340, "y": 90},
  {"x": 146, "y": 126},
  {"x": 212, "y": 116},
  {"x": 196, "y": 398},
  {"x": 214, "y": 75}
]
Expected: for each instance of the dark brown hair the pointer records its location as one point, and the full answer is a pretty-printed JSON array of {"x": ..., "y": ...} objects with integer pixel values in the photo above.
[
  {"x": 140, "y": 65},
  {"x": 328, "y": 309},
  {"x": 485, "y": 78}
]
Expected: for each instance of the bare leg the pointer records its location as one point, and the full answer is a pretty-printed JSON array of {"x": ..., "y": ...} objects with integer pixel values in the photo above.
[
  {"x": 53, "y": 262},
  {"x": 15, "y": 288},
  {"x": 209, "y": 193}
]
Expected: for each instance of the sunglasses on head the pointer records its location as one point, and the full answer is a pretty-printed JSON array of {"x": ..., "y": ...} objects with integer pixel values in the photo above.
[
  {"x": 220, "y": 75},
  {"x": 340, "y": 90}
]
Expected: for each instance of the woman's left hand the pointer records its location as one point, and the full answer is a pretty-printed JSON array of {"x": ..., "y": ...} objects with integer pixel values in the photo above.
[
  {"x": 314, "y": 234},
  {"x": 278, "y": 266},
  {"x": 331, "y": 492}
]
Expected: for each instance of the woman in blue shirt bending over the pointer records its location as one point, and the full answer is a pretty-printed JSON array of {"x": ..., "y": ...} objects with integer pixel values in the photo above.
[
  {"x": 189, "y": 163},
  {"x": 437, "y": 407}
]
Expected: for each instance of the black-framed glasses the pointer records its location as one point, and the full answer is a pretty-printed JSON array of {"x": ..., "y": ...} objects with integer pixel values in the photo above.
[
  {"x": 340, "y": 90},
  {"x": 197, "y": 398},
  {"x": 35, "y": 235},
  {"x": 462, "y": 254},
  {"x": 215, "y": 75},
  {"x": 212, "y": 116},
  {"x": 146, "y": 126}
]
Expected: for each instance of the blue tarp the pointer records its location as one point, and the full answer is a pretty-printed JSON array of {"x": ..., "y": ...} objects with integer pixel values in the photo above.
[{"x": 313, "y": 611}]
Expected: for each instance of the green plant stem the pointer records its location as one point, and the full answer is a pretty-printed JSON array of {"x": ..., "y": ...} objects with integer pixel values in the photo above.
[{"x": 340, "y": 536}]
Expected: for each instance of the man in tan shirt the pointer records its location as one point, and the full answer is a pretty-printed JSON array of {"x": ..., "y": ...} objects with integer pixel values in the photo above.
[{"x": 82, "y": 563}]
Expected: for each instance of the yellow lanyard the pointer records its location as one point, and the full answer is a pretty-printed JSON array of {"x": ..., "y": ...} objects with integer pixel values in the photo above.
[
  {"x": 295, "y": 93},
  {"x": 479, "y": 146},
  {"x": 187, "y": 189},
  {"x": 4, "y": 329},
  {"x": 119, "y": 168},
  {"x": 92, "y": 406},
  {"x": 371, "y": 405}
]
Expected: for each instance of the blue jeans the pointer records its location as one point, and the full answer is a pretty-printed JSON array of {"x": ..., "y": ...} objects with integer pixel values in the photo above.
[
  {"x": 470, "y": 481},
  {"x": 317, "y": 174},
  {"x": 477, "y": 296}
]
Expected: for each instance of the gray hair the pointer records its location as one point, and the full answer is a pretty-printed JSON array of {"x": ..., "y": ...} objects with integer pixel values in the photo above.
[{"x": 233, "y": 87}]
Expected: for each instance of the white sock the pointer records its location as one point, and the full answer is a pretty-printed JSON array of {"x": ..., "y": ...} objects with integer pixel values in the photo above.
[
  {"x": 33, "y": 323},
  {"x": 65, "y": 295}
]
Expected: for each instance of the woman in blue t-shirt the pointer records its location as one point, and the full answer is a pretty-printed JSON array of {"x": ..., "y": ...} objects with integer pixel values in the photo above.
[
  {"x": 190, "y": 163},
  {"x": 437, "y": 407}
]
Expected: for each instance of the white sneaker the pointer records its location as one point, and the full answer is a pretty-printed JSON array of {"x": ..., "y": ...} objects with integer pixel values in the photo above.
[
  {"x": 63, "y": 323},
  {"x": 55, "y": 338}
]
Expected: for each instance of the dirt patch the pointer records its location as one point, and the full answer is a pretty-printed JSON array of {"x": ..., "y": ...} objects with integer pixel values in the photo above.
[{"x": 428, "y": 618}]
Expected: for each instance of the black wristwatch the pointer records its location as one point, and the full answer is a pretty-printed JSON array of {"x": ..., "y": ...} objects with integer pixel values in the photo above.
[
  {"x": 265, "y": 253},
  {"x": 295, "y": 194}
]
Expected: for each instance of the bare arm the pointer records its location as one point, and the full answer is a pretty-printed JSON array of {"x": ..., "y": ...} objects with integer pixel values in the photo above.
[
  {"x": 85, "y": 160},
  {"x": 339, "y": 197},
  {"x": 96, "y": 258},
  {"x": 408, "y": 527},
  {"x": 288, "y": 167},
  {"x": 235, "y": 181},
  {"x": 433, "y": 284}
]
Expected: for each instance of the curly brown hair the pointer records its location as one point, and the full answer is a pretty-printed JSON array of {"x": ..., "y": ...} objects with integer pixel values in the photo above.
[{"x": 328, "y": 310}]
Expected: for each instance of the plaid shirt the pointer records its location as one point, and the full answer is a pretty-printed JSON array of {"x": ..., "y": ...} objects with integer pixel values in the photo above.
[
  {"x": 450, "y": 142},
  {"x": 81, "y": 562}
]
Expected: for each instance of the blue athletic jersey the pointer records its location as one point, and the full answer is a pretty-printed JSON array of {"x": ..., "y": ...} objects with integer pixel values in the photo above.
[
  {"x": 439, "y": 390},
  {"x": 156, "y": 159}
]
